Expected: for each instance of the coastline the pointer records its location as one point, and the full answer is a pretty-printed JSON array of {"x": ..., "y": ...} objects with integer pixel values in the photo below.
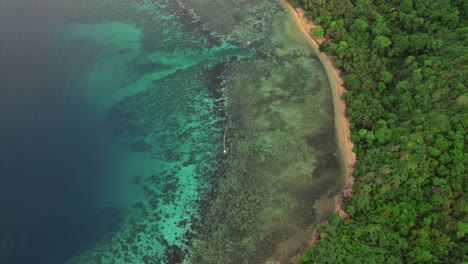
[{"x": 342, "y": 125}]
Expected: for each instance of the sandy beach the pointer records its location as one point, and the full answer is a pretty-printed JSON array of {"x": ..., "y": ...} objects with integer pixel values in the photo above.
[{"x": 342, "y": 126}]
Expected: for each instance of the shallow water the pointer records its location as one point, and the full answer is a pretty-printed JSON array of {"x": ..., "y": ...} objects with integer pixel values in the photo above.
[{"x": 113, "y": 115}]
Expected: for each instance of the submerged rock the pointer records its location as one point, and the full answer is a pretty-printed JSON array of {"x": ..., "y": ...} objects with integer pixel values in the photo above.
[{"x": 140, "y": 146}]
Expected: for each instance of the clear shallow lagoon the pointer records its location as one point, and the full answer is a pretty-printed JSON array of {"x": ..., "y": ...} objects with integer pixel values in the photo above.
[{"x": 112, "y": 120}]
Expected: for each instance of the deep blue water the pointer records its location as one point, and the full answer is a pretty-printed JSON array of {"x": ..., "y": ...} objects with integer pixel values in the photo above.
[
  {"x": 113, "y": 119},
  {"x": 71, "y": 157},
  {"x": 51, "y": 154}
]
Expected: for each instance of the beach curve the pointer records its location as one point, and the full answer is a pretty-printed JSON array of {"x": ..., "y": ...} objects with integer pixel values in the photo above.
[{"x": 342, "y": 125}]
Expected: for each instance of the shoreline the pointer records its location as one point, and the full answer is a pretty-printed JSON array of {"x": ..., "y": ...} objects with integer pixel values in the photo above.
[{"x": 342, "y": 125}]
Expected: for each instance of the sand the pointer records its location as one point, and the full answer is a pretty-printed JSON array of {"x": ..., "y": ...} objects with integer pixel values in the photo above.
[{"x": 342, "y": 126}]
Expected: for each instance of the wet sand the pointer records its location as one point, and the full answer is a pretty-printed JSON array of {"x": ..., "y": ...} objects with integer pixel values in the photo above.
[{"x": 342, "y": 126}]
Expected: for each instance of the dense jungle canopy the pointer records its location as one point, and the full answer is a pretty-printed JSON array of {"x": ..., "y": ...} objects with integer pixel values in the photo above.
[{"x": 404, "y": 64}]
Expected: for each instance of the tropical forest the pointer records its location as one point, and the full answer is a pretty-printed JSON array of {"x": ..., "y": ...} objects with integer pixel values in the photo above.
[{"x": 404, "y": 66}]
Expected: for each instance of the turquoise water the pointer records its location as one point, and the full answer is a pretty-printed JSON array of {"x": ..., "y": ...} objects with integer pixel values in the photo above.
[
  {"x": 163, "y": 135},
  {"x": 119, "y": 121},
  {"x": 114, "y": 115}
]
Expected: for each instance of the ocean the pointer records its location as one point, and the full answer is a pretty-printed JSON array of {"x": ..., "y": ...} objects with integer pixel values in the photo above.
[{"x": 113, "y": 120}]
